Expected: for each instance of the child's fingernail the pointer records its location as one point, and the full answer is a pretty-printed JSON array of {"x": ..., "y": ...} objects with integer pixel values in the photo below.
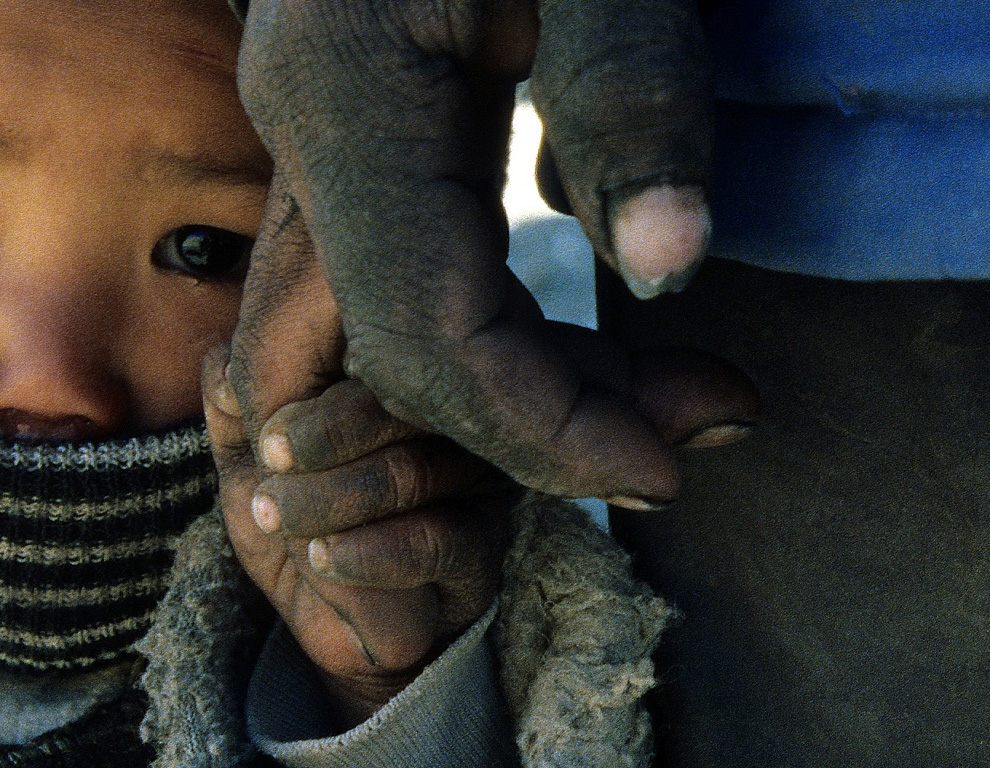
[
  {"x": 720, "y": 434},
  {"x": 638, "y": 503},
  {"x": 276, "y": 450},
  {"x": 659, "y": 237},
  {"x": 266, "y": 514},
  {"x": 319, "y": 557},
  {"x": 225, "y": 399}
]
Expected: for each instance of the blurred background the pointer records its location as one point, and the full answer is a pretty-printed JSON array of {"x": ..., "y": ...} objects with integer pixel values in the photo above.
[{"x": 547, "y": 250}]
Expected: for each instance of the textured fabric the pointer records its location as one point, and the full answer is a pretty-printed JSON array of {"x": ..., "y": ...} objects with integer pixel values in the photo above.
[
  {"x": 853, "y": 137},
  {"x": 577, "y": 694},
  {"x": 598, "y": 626},
  {"x": 199, "y": 653},
  {"x": 107, "y": 737},
  {"x": 860, "y": 55},
  {"x": 832, "y": 569},
  {"x": 574, "y": 636},
  {"x": 33, "y": 704},
  {"x": 85, "y": 537},
  {"x": 452, "y": 715}
]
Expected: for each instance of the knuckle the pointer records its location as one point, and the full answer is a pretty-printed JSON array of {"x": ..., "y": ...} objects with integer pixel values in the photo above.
[
  {"x": 432, "y": 548},
  {"x": 345, "y": 427},
  {"x": 333, "y": 440},
  {"x": 361, "y": 563},
  {"x": 364, "y": 495},
  {"x": 408, "y": 475},
  {"x": 304, "y": 510}
]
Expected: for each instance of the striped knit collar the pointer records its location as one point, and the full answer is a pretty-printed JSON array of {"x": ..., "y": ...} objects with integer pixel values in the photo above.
[
  {"x": 86, "y": 535},
  {"x": 166, "y": 446}
]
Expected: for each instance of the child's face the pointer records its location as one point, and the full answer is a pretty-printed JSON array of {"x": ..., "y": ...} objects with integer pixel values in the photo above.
[{"x": 130, "y": 180}]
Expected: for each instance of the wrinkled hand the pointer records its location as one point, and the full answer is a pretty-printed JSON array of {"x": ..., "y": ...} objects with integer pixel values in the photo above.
[
  {"x": 378, "y": 547},
  {"x": 388, "y": 120}
]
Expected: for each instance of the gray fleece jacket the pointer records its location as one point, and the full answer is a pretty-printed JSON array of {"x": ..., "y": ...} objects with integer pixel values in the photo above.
[{"x": 552, "y": 676}]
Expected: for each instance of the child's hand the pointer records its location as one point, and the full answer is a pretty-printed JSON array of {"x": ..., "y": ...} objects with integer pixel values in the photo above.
[{"x": 376, "y": 543}]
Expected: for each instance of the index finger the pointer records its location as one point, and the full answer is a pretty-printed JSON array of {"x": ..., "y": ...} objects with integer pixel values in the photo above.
[{"x": 394, "y": 147}]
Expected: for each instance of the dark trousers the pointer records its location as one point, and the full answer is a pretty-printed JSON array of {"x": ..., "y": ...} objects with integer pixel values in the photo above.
[{"x": 831, "y": 569}]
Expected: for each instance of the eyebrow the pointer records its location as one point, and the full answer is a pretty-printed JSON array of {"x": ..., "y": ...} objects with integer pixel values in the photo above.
[
  {"x": 11, "y": 139},
  {"x": 197, "y": 168},
  {"x": 188, "y": 168}
]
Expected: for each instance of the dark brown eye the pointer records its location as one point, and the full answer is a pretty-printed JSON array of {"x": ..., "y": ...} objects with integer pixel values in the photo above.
[{"x": 208, "y": 253}]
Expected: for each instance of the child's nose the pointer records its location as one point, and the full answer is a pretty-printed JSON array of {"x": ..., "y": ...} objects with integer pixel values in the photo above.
[{"x": 57, "y": 379}]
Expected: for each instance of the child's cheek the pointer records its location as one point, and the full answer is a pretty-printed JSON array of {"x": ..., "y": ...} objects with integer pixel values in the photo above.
[{"x": 167, "y": 354}]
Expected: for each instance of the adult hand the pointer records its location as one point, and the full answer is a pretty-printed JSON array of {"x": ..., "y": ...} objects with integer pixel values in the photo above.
[
  {"x": 376, "y": 548},
  {"x": 388, "y": 120}
]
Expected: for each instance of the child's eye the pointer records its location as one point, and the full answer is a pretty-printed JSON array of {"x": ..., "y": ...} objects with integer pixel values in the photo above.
[{"x": 205, "y": 252}]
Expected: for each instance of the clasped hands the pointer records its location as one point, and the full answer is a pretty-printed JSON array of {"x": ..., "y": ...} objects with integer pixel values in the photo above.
[
  {"x": 376, "y": 543},
  {"x": 382, "y": 258},
  {"x": 388, "y": 121}
]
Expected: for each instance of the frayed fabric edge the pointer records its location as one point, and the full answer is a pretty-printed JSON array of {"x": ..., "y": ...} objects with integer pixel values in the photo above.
[{"x": 575, "y": 635}]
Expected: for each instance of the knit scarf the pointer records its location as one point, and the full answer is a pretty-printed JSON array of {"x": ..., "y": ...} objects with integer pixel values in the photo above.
[{"x": 87, "y": 533}]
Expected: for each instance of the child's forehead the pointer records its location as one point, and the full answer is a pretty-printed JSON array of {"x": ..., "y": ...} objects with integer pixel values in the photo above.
[
  {"x": 155, "y": 71},
  {"x": 105, "y": 40}
]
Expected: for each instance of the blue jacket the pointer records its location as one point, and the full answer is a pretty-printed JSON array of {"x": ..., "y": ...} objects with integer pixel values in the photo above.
[{"x": 853, "y": 137}]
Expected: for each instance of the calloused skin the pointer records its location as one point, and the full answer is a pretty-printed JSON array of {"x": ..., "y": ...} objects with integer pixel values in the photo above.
[
  {"x": 391, "y": 141},
  {"x": 409, "y": 527},
  {"x": 380, "y": 543}
]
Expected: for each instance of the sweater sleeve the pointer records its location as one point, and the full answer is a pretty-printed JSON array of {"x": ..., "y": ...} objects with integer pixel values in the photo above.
[{"x": 453, "y": 714}]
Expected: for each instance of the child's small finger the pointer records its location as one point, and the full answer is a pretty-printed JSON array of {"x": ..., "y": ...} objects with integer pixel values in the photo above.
[
  {"x": 457, "y": 552},
  {"x": 400, "y": 553},
  {"x": 403, "y": 552},
  {"x": 344, "y": 423},
  {"x": 229, "y": 441},
  {"x": 394, "y": 479},
  {"x": 228, "y": 436}
]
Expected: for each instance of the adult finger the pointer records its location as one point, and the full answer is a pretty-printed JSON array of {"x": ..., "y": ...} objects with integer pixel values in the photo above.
[
  {"x": 698, "y": 400},
  {"x": 394, "y": 149},
  {"x": 623, "y": 90},
  {"x": 692, "y": 397}
]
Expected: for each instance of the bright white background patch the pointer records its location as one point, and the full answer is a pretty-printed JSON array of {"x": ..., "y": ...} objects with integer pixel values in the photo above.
[{"x": 547, "y": 250}]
